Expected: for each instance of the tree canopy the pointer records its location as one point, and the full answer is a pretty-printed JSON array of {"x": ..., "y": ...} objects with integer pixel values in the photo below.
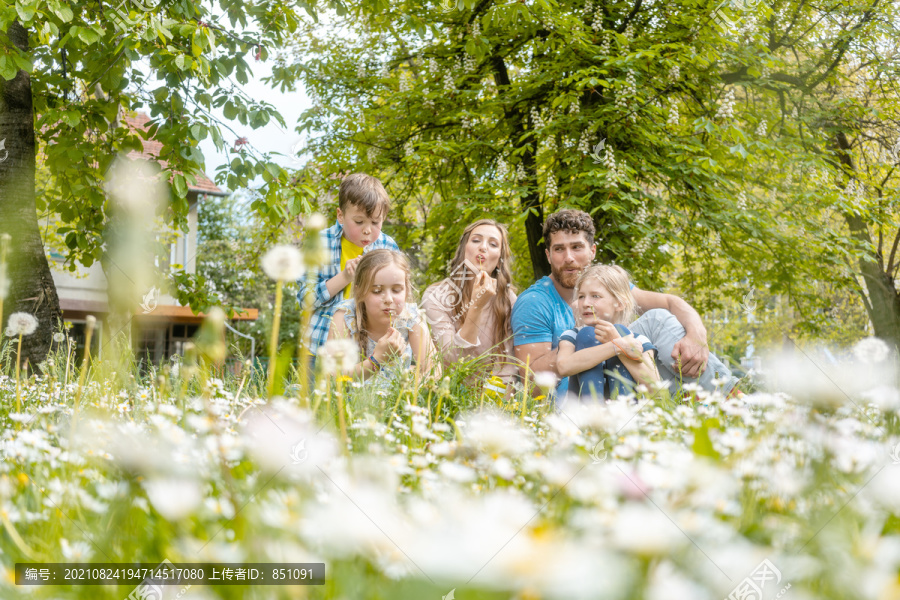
[{"x": 704, "y": 139}]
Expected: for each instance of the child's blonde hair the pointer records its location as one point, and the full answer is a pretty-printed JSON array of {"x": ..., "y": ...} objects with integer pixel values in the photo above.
[
  {"x": 363, "y": 282},
  {"x": 617, "y": 282}
]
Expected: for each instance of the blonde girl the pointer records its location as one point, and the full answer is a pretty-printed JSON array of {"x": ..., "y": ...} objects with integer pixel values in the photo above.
[
  {"x": 389, "y": 330},
  {"x": 601, "y": 355}
]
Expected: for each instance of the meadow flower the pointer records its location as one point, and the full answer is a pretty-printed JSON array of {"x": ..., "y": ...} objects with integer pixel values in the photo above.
[
  {"x": 339, "y": 356},
  {"x": 21, "y": 323},
  {"x": 283, "y": 263},
  {"x": 545, "y": 379},
  {"x": 173, "y": 498},
  {"x": 77, "y": 552},
  {"x": 496, "y": 433},
  {"x": 273, "y": 435},
  {"x": 645, "y": 530}
]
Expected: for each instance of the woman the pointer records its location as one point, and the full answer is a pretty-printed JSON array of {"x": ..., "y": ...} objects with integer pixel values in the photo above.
[{"x": 469, "y": 311}]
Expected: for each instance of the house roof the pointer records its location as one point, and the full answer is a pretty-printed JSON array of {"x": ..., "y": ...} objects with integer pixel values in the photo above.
[
  {"x": 152, "y": 149},
  {"x": 74, "y": 308}
]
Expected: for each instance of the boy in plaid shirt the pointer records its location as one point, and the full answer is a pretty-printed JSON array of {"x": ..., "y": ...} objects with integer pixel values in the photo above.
[{"x": 363, "y": 204}]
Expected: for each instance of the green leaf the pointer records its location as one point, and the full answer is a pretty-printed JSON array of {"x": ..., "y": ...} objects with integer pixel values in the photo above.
[
  {"x": 739, "y": 149},
  {"x": 62, "y": 11},
  {"x": 180, "y": 184},
  {"x": 88, "y": 36},
  {"x": 8, "y": 68}
]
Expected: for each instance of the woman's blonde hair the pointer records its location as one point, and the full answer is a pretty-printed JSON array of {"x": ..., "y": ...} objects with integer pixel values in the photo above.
[
  {"x": 364, "y": 280},
  {"x": 616, "y": 280},
  {"x": 463, "y": 278}
]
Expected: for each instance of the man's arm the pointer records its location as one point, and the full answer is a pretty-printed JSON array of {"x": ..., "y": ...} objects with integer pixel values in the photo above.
[
  {"x": 692, "y": 350},
  {"x": 539, "y": 357}
]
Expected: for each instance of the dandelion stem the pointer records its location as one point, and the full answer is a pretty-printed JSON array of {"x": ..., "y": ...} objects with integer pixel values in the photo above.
[
  {"x": 4, "y": 248},
  {"x": 88, "y": 333},
  {"x": 303, "y": 342},
  {"x": 18, "y": 384},
  {"x": 341, "y": 420},
  {"x": 273, "y": 342},
  {"x": 437, "y": 410},
  {"x": 66, "y": 380}
]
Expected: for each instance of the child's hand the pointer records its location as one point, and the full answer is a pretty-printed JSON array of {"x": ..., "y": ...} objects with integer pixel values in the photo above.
[
  {"x": 484, "y": 290},
  {"x": 350, "y": 269},
  {"x": 630, "y": 347},
  {"x": 390, "y": 344},
  {"x": 604, "y": 331}
]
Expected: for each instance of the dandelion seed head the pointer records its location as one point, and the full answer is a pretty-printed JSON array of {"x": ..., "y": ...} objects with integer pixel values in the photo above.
[
  {"x": 316, "y": 222},
  {"x": 21, "y": 323},
  {"x": 283, "y": 263},
  {"x": 871, "y": 350}
]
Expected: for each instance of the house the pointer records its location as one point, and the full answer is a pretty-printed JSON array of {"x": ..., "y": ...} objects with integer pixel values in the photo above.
[{"x": 161, "y": 326}]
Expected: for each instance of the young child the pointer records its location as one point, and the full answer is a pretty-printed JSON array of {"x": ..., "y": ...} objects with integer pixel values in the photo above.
[
  {"x": 390, "y": 330},
  {"x": 363, "y": 205},
  {"x": 597, "y": 355}
]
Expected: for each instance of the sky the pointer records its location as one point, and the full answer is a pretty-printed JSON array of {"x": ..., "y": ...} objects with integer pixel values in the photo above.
[{"x": 271, "y": 138}]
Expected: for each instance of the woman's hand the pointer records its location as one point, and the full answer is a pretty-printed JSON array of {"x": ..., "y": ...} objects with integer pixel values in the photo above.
[
  {"x": 483, "y": 291},
  {"x": 604, "y": 331},
  {"x": 390, "y": 345}
]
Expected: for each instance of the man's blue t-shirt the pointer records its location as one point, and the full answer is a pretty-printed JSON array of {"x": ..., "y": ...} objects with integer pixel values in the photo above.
[{"x": 541, "y": 315}]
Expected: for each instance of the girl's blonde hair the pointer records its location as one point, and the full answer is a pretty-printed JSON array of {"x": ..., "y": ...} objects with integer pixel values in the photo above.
[
  {"x": 364, "y": 281},
  {"x": 463, "y": 278},
  {"x": 617, "y": 282}
]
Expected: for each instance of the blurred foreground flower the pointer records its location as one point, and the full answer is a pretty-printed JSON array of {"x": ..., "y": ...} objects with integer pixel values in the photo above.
[
  {"x": 497, "y": 433},
  {"x": 545, "y": 380},
  {"x": 174, "y": 498},
  {"x": 314, "y": 252},
  {"x": 339, "y": 356},
  {"x": 820, "y": 382},
  {"x": 283, "y": 263},
  {"x": 871, "y": 350},
  {"x": 272, "y": 434}
]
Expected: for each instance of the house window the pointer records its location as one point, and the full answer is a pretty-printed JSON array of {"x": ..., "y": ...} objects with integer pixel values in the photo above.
[
  {"x": 179, "y": 334},
  {"x": 149, "y": 344}
]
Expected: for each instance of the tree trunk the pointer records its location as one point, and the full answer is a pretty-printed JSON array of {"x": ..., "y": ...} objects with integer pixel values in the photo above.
[
  {"x": 882, "y": 301},
  {"x": 534, "y": 221},
  {"x": 31, "y": 286}
]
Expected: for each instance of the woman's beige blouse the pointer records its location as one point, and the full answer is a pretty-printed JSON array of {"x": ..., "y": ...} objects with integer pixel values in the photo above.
[{"x": 438, "y": 302}]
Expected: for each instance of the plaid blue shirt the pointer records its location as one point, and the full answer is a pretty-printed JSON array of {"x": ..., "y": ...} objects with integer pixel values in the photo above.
[{"x": 324, "y": 304}]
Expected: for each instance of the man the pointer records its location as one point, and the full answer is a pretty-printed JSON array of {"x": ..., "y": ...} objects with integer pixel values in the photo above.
[{"x": 542, "y": 312}]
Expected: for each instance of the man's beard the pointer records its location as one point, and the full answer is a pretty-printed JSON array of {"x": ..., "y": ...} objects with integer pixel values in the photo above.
[{"x": 567, "y": 280}]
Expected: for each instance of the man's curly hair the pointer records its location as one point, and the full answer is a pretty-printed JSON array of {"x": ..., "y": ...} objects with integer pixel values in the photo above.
[{"x": 570, "y": 221}]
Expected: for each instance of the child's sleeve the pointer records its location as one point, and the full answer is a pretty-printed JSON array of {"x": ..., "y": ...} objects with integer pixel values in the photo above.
[
  {"x": 320, "y": 293},
  {"x": 321, "y": 297},
  {"x": 646, "y": 344},
  {"x": 568, "y": 335}
]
